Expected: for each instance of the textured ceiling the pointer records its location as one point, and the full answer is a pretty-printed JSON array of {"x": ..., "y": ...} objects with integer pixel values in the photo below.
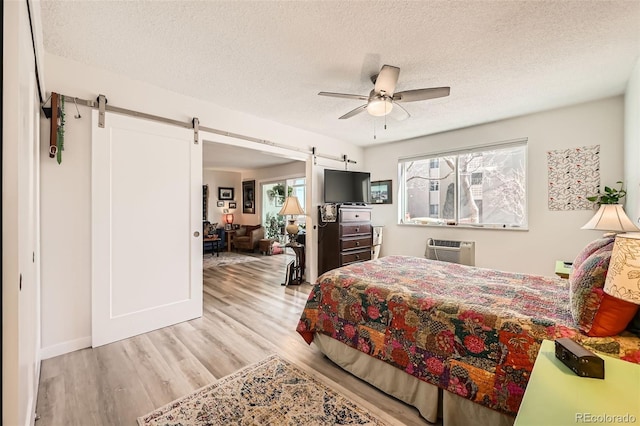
[{"x": 271, "y": 58}]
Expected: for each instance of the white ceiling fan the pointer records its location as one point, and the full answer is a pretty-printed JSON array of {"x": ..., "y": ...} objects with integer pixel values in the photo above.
[{"x": 382, "y": 98}]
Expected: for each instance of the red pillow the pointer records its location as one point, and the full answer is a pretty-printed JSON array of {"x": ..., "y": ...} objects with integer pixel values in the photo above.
[
  {"x": 612, "y": 316},
  {"x": 595, "y": 312}
]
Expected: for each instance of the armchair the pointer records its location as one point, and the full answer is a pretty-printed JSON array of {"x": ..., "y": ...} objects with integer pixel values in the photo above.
[{"x": 248, "y": 237}]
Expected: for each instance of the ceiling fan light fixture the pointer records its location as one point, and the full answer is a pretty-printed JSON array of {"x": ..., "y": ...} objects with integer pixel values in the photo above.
[{"x": 379, "y": 107}]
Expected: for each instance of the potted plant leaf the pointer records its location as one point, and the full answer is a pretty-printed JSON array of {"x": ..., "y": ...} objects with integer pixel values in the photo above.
[{"x": 610, "y": 195}]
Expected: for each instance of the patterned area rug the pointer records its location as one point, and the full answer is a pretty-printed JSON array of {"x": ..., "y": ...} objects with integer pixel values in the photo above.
[
  {"x": 270, "y": 392},
  {"x": 225, "y": 258}
]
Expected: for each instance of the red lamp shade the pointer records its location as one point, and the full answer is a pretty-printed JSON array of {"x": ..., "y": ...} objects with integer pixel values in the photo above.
[{"x": 228, "y": 218}]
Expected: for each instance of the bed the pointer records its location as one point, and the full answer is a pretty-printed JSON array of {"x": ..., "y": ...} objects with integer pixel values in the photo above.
[{"x": 456, "y": 342}]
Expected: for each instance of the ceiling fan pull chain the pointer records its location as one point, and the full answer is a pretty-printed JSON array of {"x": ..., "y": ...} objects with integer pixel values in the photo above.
[
  {"x": 374, "y": 127},
  {"x": 385, "y": 115}
]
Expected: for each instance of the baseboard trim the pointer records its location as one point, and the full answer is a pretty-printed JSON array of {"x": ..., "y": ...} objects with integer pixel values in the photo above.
[{"x": 65, "y": 347}]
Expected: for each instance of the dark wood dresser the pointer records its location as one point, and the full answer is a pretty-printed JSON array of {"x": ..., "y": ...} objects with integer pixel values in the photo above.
[{"x": 347, "y": 240}]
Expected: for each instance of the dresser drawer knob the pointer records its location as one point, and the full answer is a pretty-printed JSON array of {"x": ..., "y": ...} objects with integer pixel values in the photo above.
[
  {"x": 357, "y": 243},
  {"x": 357, "y": 215},
  {"x": 357, "y": 256},
  {"x": 357, "y": 229}
]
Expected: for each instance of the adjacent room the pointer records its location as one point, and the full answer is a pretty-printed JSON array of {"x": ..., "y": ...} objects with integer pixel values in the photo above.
[{"x": 312, "y": 212}]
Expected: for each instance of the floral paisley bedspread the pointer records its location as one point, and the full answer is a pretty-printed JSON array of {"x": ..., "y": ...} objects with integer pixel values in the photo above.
[{"x": 472, "y": 331}]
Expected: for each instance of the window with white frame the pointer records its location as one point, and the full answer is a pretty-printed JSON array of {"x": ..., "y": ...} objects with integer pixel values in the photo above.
[{"x": 484, "y": 186}]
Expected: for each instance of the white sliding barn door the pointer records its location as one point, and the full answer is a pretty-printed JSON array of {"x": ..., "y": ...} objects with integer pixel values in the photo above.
[{"x": 146, "y": 209}]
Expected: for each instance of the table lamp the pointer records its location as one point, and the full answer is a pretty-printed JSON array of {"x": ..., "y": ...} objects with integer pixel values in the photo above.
[
  {"x": 291, "y": 207},
  {"x": 623, "y": 276},
  {"x": 228, "y": 218},
  {"x": 611, "y": 217}
]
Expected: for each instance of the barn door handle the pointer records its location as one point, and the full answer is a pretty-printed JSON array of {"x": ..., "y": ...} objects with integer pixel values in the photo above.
[{"x": 196, "y": 234}]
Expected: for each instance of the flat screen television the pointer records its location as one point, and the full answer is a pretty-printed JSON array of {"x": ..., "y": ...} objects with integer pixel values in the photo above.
[{"x": 342, "y": 186}]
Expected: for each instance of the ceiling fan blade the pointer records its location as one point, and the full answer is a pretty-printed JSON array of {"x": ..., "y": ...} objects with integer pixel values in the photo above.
[
  {"x": 387, "y": 79},
  {"x": 399, "y": 113},
  {"x": 344, "y": 95},
  {"x": 421, "y": 94},
  {"x": 354, "y": 112}
]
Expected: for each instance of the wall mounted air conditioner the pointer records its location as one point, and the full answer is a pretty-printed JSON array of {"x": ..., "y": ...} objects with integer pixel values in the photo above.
[{"x": 463, "y": 252}]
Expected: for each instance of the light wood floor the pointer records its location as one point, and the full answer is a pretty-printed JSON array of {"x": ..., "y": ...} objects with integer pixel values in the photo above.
[{"x": 247, "y": 316}]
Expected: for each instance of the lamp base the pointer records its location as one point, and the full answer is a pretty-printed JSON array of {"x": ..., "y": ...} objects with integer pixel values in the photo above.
[{"x": 292, "y": 230}]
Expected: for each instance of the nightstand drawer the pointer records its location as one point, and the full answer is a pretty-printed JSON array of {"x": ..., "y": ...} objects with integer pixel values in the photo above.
[
  {"x": 361, "y": 229},
  {"x": 355, "y": 243},
  {"x": 355, "y": 216},
  {"x": 356, "y": 256}
]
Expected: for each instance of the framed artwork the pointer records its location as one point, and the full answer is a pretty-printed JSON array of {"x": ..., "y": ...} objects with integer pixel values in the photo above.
[
  {"x": 220, "y": 204},
  {"x": 225, "y": 193},
  {"x": 381, "y": 192},
  {"x": 232, "y": 204},
  {"x": 248, "y": 197}
]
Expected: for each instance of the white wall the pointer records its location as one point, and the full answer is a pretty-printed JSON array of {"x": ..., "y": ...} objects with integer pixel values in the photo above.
[
  {"x": 294, "y": 169},
  {"x": 215, "y": 179},
  {"x": 552, "y": 235},
  {"x": 66, "y": 189},
  {"x": 632, "y": 145}
]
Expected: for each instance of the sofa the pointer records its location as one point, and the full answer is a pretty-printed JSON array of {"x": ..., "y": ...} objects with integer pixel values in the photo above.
[{"x": 247, "y": 237}]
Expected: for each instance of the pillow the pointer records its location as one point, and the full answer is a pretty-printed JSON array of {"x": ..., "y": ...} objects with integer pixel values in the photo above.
[
  {"x": 591, "y": 248},
  {"x": 613, "y": 316},
  {"x": 597, "y": 313},
  {"x": 241, "y": 232},
  {"x": 206, "y": 228},
  {"x": 276, "y": 248}
]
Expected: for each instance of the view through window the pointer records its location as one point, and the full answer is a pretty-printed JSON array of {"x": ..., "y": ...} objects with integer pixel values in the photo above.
[
  {"x": 273, "y": 196},
  {"x": 480, "y": 187}
]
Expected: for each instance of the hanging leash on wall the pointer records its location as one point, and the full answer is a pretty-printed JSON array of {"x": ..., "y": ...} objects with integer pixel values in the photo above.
[
  {"x": 56, "y": 134},
  {"x": 53, "y": 133}
]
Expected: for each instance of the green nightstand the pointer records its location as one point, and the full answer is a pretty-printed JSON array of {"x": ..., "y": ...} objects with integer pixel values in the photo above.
[
  {"x": 563, "y": 268},
  {"x": 555, "y": 396}
]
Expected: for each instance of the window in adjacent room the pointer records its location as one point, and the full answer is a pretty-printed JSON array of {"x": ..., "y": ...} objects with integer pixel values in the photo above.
[
  {"x": 273, "y": 197},
  {"x": 484, "y": 186}
]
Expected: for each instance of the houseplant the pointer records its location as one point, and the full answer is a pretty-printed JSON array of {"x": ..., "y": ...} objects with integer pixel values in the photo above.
[
  {"x": 274, "y": 226},
  {"x": 277, "y": 192},
  {"x": 610, "y": 195}
]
